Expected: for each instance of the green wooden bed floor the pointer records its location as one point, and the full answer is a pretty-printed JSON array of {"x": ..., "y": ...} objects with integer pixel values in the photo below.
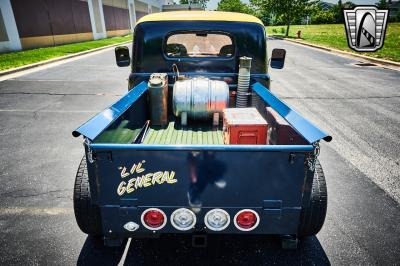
[
  {"x": 176, "y": 134},
  {"x": 121, "y": 134},
  {"x": 171, "y": 134}
]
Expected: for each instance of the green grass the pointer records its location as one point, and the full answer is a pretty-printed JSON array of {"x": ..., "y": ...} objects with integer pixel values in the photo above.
[
  {"x": 334, "y": 36},
  {"x": 16, "y": 59}
]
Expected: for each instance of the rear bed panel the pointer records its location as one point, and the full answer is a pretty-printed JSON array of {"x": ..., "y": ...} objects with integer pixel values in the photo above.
[
  {"x": 269, "y": 181},
  {"x": 250, "y": 176}
]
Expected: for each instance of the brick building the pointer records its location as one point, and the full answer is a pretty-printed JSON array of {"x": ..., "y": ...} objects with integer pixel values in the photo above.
[{"x": 39, "y": 23}]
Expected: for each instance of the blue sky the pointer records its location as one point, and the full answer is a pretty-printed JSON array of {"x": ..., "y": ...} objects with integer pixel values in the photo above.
[{"x": 212, "y": 4}]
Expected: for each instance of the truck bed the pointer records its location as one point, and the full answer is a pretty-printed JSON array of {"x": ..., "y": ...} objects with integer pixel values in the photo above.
[{"x": 123, "y": 121}]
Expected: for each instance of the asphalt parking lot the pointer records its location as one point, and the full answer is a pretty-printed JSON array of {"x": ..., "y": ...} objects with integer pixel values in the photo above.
[{"x": 358, "y": 106}]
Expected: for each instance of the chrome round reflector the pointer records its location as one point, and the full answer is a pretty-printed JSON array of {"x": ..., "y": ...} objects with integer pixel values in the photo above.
[
  {"x": 217, "y": 219},
  {"x": 246, "y": 220},
  {"x": 153, "y": 219},
  {"x": 183, "y": 219}
]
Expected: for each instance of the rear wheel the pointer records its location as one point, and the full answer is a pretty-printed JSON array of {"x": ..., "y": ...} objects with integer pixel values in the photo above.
[
  {"x": 86, "y": 213},
  {"x": 312, "y": 217}
]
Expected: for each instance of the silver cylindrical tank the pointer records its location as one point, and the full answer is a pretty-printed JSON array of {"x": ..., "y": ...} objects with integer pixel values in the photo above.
[
  {"x": 200, "y": 97},
  {"x": 158, "y": 99}
]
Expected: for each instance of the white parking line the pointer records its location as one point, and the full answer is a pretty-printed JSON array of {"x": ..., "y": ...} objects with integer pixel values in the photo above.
[
  {"x": 123, "y": 258},
  {"x": 34, "y": 211}
]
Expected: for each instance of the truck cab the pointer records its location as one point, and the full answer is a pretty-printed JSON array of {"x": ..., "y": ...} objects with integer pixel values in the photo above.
[
  {"x": 199, "y": 144},
  {"x": 211, "y": 43}
]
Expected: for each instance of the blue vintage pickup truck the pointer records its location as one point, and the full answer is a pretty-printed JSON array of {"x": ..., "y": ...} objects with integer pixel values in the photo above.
[{"x": 157, "y": 162}]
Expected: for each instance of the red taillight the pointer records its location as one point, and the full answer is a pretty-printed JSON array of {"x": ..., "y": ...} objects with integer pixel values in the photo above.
[
  {"x": 246, "y": 220},
  {"x": 154, "y": 219}
]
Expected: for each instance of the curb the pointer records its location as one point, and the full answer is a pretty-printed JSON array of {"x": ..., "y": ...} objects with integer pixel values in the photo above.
[
  {"x": 57, "y": 59},
  {"x": 382, "y": 62}
]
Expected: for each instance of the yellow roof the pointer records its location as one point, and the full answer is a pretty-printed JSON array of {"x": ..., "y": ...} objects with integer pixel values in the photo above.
[{"x": 200, "y": 15}]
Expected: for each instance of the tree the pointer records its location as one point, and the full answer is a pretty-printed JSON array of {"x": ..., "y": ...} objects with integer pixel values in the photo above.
[
  {"x": 382, "y": 4},
  {"x": 338, "y": 11},
  {"x": 349, "y": 5},
  {"x": 233, "y": 6},
  {"x": 321, "y": 16},
  {"x": 263, "y": 15},
  {"x": 203, "y": 3},
  {"x": 287, "y": 11}
]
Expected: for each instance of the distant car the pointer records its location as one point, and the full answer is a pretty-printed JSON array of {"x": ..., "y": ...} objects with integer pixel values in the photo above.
[{"x": 163, "y": 160}]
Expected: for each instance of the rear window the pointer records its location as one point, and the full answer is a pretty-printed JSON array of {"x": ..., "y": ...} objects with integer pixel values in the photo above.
[{"x": 199, "y": 45}]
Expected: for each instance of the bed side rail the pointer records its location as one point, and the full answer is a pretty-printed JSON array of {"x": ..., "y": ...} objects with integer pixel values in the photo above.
[
  {"x": 97, "y": 124},
  {"x": 304, "y": 127}
]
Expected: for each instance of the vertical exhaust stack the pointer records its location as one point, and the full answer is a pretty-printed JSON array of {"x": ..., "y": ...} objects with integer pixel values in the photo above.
[{"x": 243, "y": 82}]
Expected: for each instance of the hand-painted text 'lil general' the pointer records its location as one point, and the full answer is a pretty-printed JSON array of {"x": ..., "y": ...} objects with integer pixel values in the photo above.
[{"x": 144, "y": 179}]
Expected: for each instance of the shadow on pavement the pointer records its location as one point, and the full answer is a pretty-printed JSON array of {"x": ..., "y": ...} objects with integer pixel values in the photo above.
[
  {"x": 221, "y": 250},
  {"x": 95, "y": 253}
]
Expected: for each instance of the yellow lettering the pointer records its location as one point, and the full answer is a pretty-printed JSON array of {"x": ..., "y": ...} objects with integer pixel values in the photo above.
[
  {"x": 124, "y": 173},
  {"x": 171, "y": 179},
  {"x": 157, "y": 178},
  {"x": 121, "y": 188},
  {"x": 139, "y": 182},
  {"x": 133, "y": 169},
  {"x": 130, "y": 187},
  {"x": 139, "y": 168},
  {"x": 165, "y": 177},
  {"x": 147, "y": 180}
]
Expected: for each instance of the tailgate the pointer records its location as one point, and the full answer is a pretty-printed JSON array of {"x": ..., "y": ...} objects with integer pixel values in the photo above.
[
  {"x": 268, "y": 179},
  {"x": 237, "y": 177}
]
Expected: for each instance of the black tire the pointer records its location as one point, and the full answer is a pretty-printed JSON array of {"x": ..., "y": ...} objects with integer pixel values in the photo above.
[
  {"x": 312, "y": 217},
  {"x": 87, "y": 215}
]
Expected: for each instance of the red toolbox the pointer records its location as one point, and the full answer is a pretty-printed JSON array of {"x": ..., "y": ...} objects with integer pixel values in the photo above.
[
  {"x": 244, "y": 126},
  {"x": 280, "y": 132}
]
